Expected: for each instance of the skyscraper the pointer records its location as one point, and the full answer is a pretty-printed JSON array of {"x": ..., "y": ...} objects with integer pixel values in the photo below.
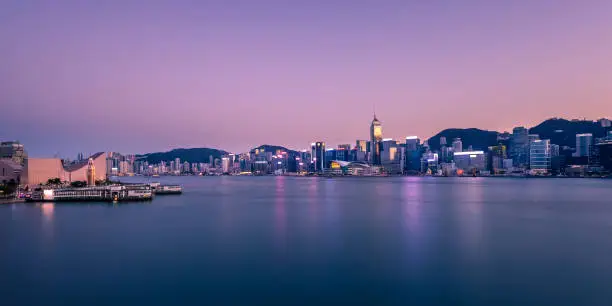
[
  {"x": 539, "y": 156},
  {"x": 583, "y": 144},
  {"x": 412, "y": 153},
  {"x": 361, "y": 145},
  {"x": 457, "y": 145},
  {"x": 13, "y": 150},
  {"x": 375, "y": 141},
  {"x": 344, "y": 147},
  {"x": 519, "y": 146},
  {"x": 318, "y": 156},
  {"x": 225, "y": 164}
]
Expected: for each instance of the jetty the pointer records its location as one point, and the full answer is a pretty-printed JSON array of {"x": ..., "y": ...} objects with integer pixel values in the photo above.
[{"x": 134, "y": 192}]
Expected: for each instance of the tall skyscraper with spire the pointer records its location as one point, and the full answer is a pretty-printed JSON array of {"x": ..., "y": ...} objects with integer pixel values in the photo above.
[{"x": 375, "y": 141}]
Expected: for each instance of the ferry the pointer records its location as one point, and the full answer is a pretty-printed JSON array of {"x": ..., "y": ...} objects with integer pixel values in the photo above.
[
  {"x": 166, "y": 189},
  {"x": 169, "y": 189}
]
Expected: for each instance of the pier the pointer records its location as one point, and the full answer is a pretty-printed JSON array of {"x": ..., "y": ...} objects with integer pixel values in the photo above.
[{"x": 135, "y": 192}]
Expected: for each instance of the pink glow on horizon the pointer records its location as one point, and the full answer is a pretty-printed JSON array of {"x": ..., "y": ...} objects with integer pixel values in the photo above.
[{"x": 225, "y": 75}]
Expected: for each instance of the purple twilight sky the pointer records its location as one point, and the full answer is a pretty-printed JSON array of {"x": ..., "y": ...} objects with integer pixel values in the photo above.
[{"x": 142, "y": 76}]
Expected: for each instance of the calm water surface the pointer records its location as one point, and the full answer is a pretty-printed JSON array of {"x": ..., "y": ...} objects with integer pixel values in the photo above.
[{"x": 292, "y": 241}]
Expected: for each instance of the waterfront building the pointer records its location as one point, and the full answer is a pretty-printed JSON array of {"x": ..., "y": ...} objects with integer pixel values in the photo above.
[
  {"x": 412, "y": 154},
  {"x": 540, "y": 157},
  {"x": 225, "y": 164},
  {"x": 448, "y": 169},
  {"x": 10, "y": 171},
  {"x": 91, "y": 173},
  {"x": 318, "y": 156},
  {"x": 330, "y": 154},
  {"x": 429, "y": 163},
  {"x": 583, "y": 144},
  {"x": 177, "y": 165},
  {"x": 605, "y": 154},
  {"x": 495, "y": 158},
  {"x": 13, "y": 150},
  {"x": 40, "y": 170},
  {"x": 375, "y": 142},
  {"x": 508, "y": 164},
  {"x": 338, "y": 167},
  {"x": 470, "y": 162},
  {"x": 457, "y": 145},
  {"x": 343, "y": 154},
  {"x": 390, "y": 156},
  {"x": 185, "y": 168}
]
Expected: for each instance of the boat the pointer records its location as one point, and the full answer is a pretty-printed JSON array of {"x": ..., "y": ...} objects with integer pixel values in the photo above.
[{"x": 168, "y": 189}]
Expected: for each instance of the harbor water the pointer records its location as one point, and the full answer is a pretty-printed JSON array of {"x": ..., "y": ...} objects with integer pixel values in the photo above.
[{"x": 318, "y": 241}]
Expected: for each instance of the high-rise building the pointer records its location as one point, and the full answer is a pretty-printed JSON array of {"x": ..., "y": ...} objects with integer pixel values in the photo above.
[
  {"x": 446, "y": 154},
  {"x": 442, "y": 141},
  {"x": 412, "y": 153},
  {"x": 318, "y": 156},
  {"x": 519, "y": 146},
  {"x": 583, "y": 144},
  {"x": 375, "y": 141},
  {"x": 225, "y": 164},
  {"x": 457, "y": 145},
  {"x": 177, "y": 165},
  {"x": 605, "y": 154},
  {"x": 539, "y": 156},
  {"x": 362, "y": 145},
  {"x": 496, "y": 157},
  {"x": 13, "y": 150},
  {"x": 344, "y": 147}
]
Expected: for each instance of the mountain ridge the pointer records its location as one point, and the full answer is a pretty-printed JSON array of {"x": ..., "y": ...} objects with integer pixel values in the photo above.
[{"x": 560, "y": 131}]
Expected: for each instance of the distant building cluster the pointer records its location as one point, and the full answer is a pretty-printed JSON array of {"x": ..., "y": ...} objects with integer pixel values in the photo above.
[{"x": 517, "y": 153}]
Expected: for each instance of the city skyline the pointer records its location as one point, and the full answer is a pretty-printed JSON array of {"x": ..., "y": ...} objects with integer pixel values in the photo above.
[{"x": 237, "y": 75}]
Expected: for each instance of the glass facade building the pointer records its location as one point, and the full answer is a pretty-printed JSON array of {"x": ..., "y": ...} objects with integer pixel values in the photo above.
[{"x": 539, "y": 156}]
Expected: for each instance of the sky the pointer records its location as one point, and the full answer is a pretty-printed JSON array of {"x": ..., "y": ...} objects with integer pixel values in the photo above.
[{"x": 147, "y": 76}]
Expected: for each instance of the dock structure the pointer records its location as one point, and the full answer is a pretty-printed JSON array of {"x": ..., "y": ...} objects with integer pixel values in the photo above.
[{"x": 135, "y": 192}]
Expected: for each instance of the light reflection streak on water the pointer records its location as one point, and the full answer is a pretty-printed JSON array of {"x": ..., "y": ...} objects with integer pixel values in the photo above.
[
  {"x": 412, "y": 203},
  {"x": 280, "y": 215},
  {"x": 470, "y": 216}
]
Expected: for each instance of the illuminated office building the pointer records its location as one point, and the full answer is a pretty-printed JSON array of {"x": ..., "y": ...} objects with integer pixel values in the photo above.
[{"x": 375, "y": 142}]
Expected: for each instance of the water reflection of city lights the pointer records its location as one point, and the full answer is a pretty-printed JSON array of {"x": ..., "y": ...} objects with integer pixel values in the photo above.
[{"x": 47, "y": 210}]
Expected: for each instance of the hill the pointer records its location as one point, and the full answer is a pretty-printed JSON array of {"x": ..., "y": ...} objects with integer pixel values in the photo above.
[
  {"x": 273, "y": 149},
  {"x": 563, "y": 132},
  {"x": 194, "y": 155},
  {"x": 477, "y": 138}
]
